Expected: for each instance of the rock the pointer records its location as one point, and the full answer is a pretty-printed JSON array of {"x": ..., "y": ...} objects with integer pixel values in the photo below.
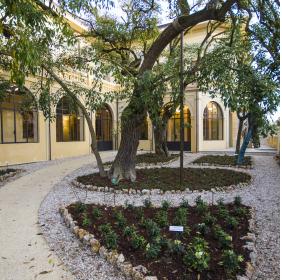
[
  {"x": 150, "y": 278},
  {"x": 239, "y": 277},
  {"x": 112, "y": 257},
  {"x": 81, "y": 233},
  {"x": 120, "y": 258},
  {"x": 103, "y": 252},
  {"x": 95, "y": 245},
  {"x": 249, "y": 270},
  {"x": 86, "y": 239},
  {"x": 145, "y": 191},
  {"x": 126, "y": 268},
  {"x": 75, "y": 230},
  {"x": 140, "y": 268}
]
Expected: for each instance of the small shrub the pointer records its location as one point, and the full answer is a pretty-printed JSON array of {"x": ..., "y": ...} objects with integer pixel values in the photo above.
[
  {"x": 223, "y": 212},
  {"x": 231, "y": 262},
  {"x": 184, "y": 203},
  {"x": 161, "y": 218},
  {"x": 224, "y": 239},
  {"x": 180, "y": 217},
  {"x": 139, "y": 212},
  {"x": 147, "y": 203},
  {"x": 165, "y": 205},
  {"x": 129, "y": 205},
  {"x": 187, "y": 231},
  {"x": 201, "y": 206},
  {"x": 209, "y": 220},
  {"x": 80, "y": 207},
  {"x": 231, "y": 222},
  {"x": 96, "y": 213},
  {"x": 152, "y": 250},
  {"x": 202, "y": 228},
  {"x": 238, "y": 201},
  {"x": 128, "y": 231},
  {"x": 220, "y": 202},
  {"x": 197, "y": 256},
  {"x": 240, "y": 212},
  {"x": 175, "y": 247},
  {"x": 109, "y": 236},
  {"x": 120, "y": 219},
  {"x": 152, "y": 228},
  {"x": 137, "y": 241},
  {"x": 86, "y": 220}
]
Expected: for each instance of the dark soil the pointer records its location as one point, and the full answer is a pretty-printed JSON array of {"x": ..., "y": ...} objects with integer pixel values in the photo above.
[
  {"x": 151, "y": 158},
  {"x": 223, "y": 160},
  {"x": 166, "y": 178},
  {"x": 6, "y": 171},
  {"x": 169, "y": 265}
]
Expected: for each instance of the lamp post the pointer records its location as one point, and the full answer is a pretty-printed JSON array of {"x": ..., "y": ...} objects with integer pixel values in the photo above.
[{"x": 181, "y": 105}]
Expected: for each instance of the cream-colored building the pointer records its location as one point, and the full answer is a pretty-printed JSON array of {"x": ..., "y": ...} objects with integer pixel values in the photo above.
[{"x": 28, "y": 137}]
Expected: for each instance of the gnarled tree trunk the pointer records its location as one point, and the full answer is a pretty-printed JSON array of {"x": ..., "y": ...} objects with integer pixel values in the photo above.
[
  {"x": 160, "y": 139},
  {"x": 135, "y": 113}
]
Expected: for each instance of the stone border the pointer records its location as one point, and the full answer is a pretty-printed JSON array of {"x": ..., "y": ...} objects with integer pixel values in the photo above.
[
  {"x": 10, "y": 174},
  {"x": 138, "y": 272},
  {"x": 220, "y": 165},
  {"x": 130, "y": 191}
]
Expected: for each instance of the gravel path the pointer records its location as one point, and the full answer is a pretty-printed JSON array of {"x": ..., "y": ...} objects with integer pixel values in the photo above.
[{"x": 262, "y": 195}]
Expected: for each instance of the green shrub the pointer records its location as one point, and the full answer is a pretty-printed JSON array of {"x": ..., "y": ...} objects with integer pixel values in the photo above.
[
  {"x": 148, "y": 203},
  {"x": 137, "y": 241},
  {"x": 128, "y": 231},
  {"x": 223, "y": 212},
  {"x": 238, "y": 201},
  {"x": 231, "y": 222},
  {"x": 240, "y": 212},
  {"x": 175, "y": 247},
  {"x": 165, "y": 205},
  {"x": 109, "y": 236},
  {"x": 197, "y": 256},
  {"x": 202, "y": 228},
  {"x": 209, "y": 220},
  {"x": 220, "y": 202},
  {"x": 180, "y": 217},
  {"x": 152, "y": 250},
  {"x": 96, "y": 213},
  {"x": 231, "y": 262},
  {"x": 129, "y": 205},
  {"x": 120, "y": 219},
  {"x": 184, "y": 203},
  {"x": 161, "y": 218},
  {"x": 224, "y": 239},
  {"x": 80, "y": 207},
  {"x": 201, "y": 206},
  {"x": 86, "y": 220},
  {"x": 139, "y": 212},
  {"x": 152, "y": 228}
]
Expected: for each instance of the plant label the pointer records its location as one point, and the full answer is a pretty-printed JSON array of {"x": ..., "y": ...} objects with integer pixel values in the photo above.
[{"x": 176, "y": 228}]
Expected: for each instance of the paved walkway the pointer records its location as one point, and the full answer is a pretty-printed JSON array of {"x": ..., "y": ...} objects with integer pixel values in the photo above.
[{"x": 24, "y": 253}]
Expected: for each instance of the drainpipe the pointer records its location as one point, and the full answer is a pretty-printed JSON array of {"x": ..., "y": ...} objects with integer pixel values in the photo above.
[
  {"x": 197, "y": 120},
  {"x": 49, "y": 135}
]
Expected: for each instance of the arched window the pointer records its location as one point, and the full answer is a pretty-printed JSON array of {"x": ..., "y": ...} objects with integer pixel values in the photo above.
[
  {"x": 18, "y": 117},
  {"x": 213, "y": 122},
  {"x": 144, "y": 130},
  {"x": 69, "y": 121}
]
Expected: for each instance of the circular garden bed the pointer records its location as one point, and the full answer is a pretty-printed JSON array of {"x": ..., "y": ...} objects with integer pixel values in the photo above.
[
  {"x": 223, "y": 160},
  {"x": 167, "y": 179},
  {"x": 140, "y": 242}
]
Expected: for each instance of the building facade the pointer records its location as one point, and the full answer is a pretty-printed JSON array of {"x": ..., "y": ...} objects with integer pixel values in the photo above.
[{"x": 26, "y": 136}]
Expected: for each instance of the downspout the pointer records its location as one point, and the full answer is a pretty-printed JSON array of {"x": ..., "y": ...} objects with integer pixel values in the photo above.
[
  {"x": 197, "y": 124},
  {"x": 49, "y": 134}
]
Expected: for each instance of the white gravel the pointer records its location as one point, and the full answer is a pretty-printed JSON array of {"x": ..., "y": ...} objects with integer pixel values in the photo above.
[{"x": 262, "y": 195}]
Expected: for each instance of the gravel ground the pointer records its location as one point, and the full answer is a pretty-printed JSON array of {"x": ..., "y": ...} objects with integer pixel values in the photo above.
[{"x": 262, "y": 195}]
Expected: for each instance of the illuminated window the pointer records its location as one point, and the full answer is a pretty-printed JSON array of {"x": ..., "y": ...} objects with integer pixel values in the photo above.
[
  {"x": 69, "y": 121},
  {"x": 18, "y": 118},
  {"x": 213, "y": 122}
]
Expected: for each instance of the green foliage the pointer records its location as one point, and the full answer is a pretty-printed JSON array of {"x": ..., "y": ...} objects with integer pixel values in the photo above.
[
  {"x": 209, "y": 219},
  {"x": 181, "y": 217},
  {"x": 152, "y": 250},
  {"x": 96, "y": 213},
  {"x": 175, "y": 247},
  {"x": 224, "y": 239},
  {"x": 162, "y": 218},
  {"x": 197, "y": 256},
  {"x": 86, "y": 220},
  {"x": 137, "y": 241},
  {"x": 129, "y": 231},
  {"x": 120, "y": 219},
  {"x": 231, "y": 261},
  {"x": 148, "y": 203},
  {"x": 232, "y": 222},
  {"x": 184, "y": 203},
  {"x": 152, "y": 228},
  {"x": 109, "y": 236},
  {"x": 240, "y": 212},
  {"x": 165, "y": 205},
  {"x": 202, "y": 228},
  {"x": 238, "y": 201},
  {"x": 201, "y": 206},
  {"x": 223, "y": 212},
  {"x": 129, "y": 205},
  {"x": 80, "y": 207}
]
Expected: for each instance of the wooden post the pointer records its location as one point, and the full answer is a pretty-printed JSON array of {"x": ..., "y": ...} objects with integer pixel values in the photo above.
[{"x": 181, "y": 98}]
